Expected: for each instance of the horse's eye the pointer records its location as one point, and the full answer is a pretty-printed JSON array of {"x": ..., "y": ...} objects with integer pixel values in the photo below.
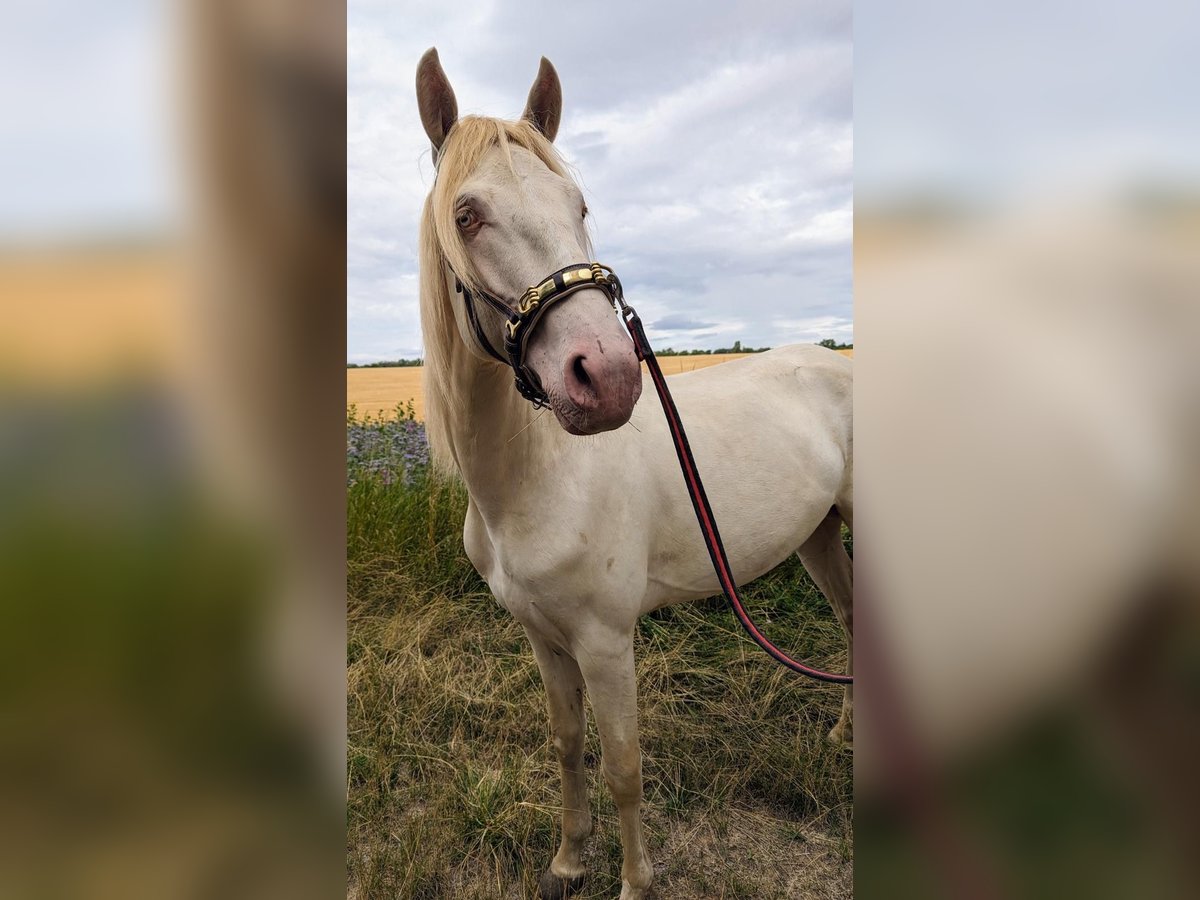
[
  {"x": 583, "y": 214},
  {"x": 466, "y": 218}
]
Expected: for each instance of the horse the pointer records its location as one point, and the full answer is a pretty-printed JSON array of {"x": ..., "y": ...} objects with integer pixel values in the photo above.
[{"x": 580, "y": 522}]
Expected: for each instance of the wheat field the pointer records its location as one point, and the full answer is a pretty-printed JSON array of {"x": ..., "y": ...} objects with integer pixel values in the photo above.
[
  {"x": 76, "y": 315},
  {"x": 379, "y": 391}
]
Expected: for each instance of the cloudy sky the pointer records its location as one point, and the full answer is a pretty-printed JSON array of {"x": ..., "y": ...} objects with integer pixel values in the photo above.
[
  {"x": 1024, "y": 98},
  {"x": 84, "y": 146},
  {"x": 714, "y": 145}
]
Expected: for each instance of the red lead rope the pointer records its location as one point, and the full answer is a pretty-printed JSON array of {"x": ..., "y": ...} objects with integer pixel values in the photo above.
[{"x": 704, "y": 514}]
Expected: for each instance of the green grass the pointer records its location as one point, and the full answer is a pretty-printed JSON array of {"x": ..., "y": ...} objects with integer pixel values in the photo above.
[{"x": 452, "y": 783}]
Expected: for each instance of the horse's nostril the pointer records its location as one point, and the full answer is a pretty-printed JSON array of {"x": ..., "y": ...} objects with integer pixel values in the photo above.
[{"x": 580, "y": 372}]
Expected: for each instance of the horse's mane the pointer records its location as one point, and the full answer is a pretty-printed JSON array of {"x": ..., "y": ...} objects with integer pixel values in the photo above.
[{"x": 464, "y": 148}]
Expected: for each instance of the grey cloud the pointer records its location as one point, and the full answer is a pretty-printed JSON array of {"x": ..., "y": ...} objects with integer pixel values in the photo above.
[
  {"x": 680, "y": 323},
  {"x": 718, "y": 174}
]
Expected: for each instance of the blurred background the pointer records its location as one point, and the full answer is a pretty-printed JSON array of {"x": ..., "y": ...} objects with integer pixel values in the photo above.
[
  {"x": 1027, "y": 228},
  {"x": 172, "y": 218}
]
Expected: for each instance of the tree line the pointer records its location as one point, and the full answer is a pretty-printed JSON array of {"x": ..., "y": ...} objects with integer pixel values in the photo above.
[{"x": 669, "y": 351}]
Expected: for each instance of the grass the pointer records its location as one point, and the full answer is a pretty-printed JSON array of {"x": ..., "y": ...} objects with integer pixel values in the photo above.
[{"x": 453, "y": 786}]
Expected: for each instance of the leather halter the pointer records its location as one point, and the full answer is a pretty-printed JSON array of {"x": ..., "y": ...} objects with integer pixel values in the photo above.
[
  {"x": 519, "y": 324},
  {"x": 523, "y": 317}
]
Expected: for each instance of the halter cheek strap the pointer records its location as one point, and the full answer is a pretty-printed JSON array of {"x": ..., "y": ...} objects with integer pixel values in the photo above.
[
  {"x": 521, "y": 320},
  {"x": 473, "y": 318}
]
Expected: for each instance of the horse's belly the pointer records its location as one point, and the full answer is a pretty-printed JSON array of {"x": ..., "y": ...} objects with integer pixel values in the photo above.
[
  {"x": 758, "y": 534},
  {"x": 773, "y": 451}
]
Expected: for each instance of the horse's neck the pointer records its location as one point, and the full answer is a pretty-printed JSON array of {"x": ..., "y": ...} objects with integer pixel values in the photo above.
[{"x": 498, "y": 440}]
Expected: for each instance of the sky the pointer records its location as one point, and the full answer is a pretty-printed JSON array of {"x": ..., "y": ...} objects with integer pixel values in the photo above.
[
  {"x": 1009, "y": 102},
  {"x": 85, "y": 142},
  {"x": 713, "y": 143}
]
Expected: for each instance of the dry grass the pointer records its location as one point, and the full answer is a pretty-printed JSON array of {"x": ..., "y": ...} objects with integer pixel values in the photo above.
[
  {"x": 380, "y": 391},
  {"x": 453, "y": 784}
]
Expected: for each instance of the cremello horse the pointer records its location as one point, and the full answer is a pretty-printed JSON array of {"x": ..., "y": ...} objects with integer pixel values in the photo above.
[{"x": 578, "y": 536}]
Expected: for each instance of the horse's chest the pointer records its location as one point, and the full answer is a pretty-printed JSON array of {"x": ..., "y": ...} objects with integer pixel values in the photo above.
[
  {"x": 555, "y": 568},
  {"x": 478, "y": 544}
]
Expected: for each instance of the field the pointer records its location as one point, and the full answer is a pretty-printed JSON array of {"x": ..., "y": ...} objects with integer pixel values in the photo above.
[
  {"x": 452, "y": 781},
  {"x": 88, "y": 313},
  {"x": 380, "y": 391}
]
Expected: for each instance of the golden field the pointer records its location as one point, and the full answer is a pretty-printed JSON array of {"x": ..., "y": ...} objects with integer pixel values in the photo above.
[
  {"x": 75, "y": 315},
  {"x": 379, "y": 391}
]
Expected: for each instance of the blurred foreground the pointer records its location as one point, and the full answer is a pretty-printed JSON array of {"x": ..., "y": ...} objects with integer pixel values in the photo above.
[
  {"x": 1028, "y": 585},
  {"x": 171, "y": 456},
  {"x": 1027, "y": 409}
]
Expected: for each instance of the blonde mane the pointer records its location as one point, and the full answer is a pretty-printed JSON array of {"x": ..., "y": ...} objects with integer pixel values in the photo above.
[{"x": 440, "y": 242}]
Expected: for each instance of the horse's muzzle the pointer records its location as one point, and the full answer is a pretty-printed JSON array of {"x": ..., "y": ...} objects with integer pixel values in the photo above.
[{"x": 600, "y": 387}]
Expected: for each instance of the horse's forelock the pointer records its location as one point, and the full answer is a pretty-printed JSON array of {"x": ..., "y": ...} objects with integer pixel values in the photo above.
[
  {"x": 440, "y": 242},
  {"x": 469, "y": 140}
]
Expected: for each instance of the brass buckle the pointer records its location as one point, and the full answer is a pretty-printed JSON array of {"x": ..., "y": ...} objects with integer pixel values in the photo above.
[{"x": 529, "y": 302}]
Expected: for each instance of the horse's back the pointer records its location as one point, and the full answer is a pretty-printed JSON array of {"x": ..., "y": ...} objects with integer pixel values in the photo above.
[
  {"x": 799, "y": 380},
  {"x": 786, "y": 412},
  {"x": 804, "y": 361},
  {"x": 771, "y": 435}
]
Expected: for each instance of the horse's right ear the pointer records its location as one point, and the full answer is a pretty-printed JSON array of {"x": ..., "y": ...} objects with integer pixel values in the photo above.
[
  {"x": 544, "y": 107},
  {"x": 435, "y": 99}
]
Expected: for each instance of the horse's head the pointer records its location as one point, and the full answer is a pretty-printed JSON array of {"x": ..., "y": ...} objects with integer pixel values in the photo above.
[{"x": 506, "y": 215}]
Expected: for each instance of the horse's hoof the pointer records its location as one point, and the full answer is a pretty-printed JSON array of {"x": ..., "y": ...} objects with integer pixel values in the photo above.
[
  {"x": 842, "y": 735},
  {"x": 556, "y": 887},
  {"x": 629, "y": 893}
]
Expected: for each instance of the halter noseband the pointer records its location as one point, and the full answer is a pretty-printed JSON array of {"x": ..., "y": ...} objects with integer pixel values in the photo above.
[{"x": 521, "y": 320}]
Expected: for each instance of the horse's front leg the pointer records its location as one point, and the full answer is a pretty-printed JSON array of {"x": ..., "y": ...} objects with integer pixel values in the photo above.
[
  {"x": 606, "y": 661},
  {"x": 564, "y": 695}
]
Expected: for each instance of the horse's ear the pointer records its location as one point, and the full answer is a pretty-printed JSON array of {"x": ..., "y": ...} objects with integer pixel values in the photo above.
[
  {"x": 544, "y": 107},
  {"x": 435, "y": 99}
]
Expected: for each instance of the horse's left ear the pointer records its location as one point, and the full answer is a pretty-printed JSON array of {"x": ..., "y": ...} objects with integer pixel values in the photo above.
[{"x": 544, "y": 107}]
